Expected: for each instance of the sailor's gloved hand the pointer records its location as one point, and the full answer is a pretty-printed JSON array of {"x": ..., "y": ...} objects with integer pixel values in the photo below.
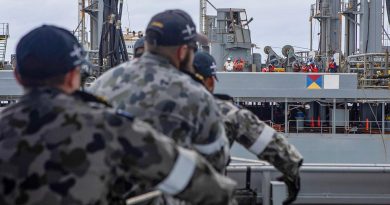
[{"x": 293, "y": 187}]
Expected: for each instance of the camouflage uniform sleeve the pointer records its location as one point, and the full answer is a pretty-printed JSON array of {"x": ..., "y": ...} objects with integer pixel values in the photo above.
[
  {"x": 152, "y": 158},
  {"x": 230, "y": 119},
  {"x": 210, "y": 139},
  {"x": 266, "y": 143}
]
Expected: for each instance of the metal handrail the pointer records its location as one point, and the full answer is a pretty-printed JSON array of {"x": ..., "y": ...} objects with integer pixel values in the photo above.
[
  {"x": 244, "y": 160},
  {"x": 367, "y": 66},
  {"x": 348, "y": 126}
]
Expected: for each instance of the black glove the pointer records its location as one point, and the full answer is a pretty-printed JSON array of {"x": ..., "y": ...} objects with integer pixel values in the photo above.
[{"x": 293, "y": 187}]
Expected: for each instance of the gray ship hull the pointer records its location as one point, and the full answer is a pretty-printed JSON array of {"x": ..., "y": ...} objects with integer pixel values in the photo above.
[{"x": 335, "y": 148}]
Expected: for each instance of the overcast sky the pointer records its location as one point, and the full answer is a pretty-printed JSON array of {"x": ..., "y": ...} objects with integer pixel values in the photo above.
[{"x": 276, "y": 22}]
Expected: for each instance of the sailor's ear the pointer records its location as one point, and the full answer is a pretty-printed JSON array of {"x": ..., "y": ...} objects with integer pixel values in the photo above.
[
  {"x": 210, "y": 83},
  {"x": 72, "y": 79},
  {"x": 182, "y": 52}
]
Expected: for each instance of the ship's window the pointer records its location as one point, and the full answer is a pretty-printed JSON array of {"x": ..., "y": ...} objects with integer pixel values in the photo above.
[{"x": 236, "y": 18}]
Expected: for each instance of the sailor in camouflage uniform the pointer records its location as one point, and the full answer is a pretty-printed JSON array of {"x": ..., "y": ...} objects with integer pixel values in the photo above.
[
  {"x": 157, "y": 89},
  {"x": 61, "y": 146},
  {"x": 244, "y": 127}
]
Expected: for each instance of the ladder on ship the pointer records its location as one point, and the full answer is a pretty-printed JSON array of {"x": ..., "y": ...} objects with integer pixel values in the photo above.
[{"x": 4, "y": 35}]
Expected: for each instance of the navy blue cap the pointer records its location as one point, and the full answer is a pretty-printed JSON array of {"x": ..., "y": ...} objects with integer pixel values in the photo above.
[
  {"x": 139, "y": 43},
  {"x": 204, "y": 65},
  {"x": 48, "y": 51},
  {"x": 172, "y": 28}
]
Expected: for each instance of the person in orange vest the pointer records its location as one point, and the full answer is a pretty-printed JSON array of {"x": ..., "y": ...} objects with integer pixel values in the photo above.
[
  {"x": 312, "y": 68},
  {"x": 304, "y": 68},
  {"x": 296, "y": 66},
  {"x": 238, "y": 65},
  {"x": 271, "y": 68},
  {"x": 332, "y": 68}
]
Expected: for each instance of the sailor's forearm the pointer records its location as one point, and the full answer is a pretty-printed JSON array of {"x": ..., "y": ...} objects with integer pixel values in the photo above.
[
  {"x": 218, "y": 158},
  {"x": 208, "y": 186},
  {"x": 263, "y": 141},
  {"x": 282, "y": 155},
  {"x": 217, "y": 152}
]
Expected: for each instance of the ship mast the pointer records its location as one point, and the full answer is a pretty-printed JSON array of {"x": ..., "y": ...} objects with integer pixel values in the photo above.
[
  {"x": 81, "y": 19},
  {"x": 105, "y": 45},
  {"x": 203, "y": 17}
]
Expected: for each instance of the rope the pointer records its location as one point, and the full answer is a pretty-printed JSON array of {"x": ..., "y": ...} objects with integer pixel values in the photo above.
[
  {"x": 143, "y": 197},
  {"x": 249, "y": 160}
]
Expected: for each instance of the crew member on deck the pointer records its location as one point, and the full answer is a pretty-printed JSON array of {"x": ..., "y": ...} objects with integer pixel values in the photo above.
[
  {"x": 332, "y": 68},
  {"x": 229, "y": 65}
]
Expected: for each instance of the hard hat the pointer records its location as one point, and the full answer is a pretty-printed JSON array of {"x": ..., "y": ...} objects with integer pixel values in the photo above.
[{"x": 229, "y": 59}]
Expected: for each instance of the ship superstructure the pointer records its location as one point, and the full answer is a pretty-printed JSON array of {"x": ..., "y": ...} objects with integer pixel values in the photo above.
[
  {"x": 353, "y": 101},
  {"x": 4, "y": 35},
  {"x": 340, "y": 121}
]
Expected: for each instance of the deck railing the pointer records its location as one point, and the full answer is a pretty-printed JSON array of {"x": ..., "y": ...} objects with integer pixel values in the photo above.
[
  {"x": 341, "y": 127},
  {"x": 372, "y": 69}
]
